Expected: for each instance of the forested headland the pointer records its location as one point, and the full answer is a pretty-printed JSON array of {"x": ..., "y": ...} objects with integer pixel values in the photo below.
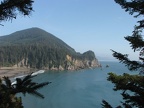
[{"x": 36, "y": 48}]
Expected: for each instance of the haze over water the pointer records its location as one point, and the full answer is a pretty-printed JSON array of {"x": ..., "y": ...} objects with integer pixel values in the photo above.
[{"x": 77, "y": 89}]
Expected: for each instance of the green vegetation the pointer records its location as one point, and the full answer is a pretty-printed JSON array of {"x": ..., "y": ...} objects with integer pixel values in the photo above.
[
  {"x": 38, "y": 48},
  {"x": 131, "y": 86},
  {"x": 9, "y": 9},
  {"x": 8, "y": 91},
  {"x": 89, "y": 55}
]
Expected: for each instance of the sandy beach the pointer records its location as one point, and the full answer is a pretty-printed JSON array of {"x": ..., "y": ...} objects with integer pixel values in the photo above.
[{"x": 12, "y": 72}]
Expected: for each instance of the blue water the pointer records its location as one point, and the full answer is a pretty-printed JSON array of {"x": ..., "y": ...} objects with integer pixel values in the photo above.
[{"x": 77, "y": 89}]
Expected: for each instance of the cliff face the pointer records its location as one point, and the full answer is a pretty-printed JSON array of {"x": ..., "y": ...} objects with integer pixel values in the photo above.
[
  {"x": 70, "y": 64},
  {"x": 36, "y": 48},
  {"x": 75, "y": 64},
  {"x": 82, "y": 64}
]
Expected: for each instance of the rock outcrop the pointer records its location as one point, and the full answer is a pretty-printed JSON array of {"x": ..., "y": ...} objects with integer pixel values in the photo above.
[
  {"x": 35, "y": 48},
  {"x": 70, "y": 64},
  {"x": 76, "y": 64}
]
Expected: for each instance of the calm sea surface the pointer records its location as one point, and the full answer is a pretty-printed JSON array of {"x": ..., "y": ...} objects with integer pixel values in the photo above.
[{"x": 77, "y": 89}]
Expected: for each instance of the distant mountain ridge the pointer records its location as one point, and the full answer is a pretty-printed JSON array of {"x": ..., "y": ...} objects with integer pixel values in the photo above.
[
  {"x": 36, "y": 48},
  {"x": 33, "y": 36}
]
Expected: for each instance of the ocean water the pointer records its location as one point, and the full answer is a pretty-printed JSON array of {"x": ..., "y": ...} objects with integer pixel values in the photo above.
[{"x": 77, "y": 89}]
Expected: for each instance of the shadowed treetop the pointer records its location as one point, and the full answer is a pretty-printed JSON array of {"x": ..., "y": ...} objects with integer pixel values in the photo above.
[
  {"x": 131, "y": 86},
  {"x": 10, "y": 8}
]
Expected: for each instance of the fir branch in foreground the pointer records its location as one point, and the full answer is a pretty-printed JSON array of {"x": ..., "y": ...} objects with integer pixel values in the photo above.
[
  {"x": 133, "y": 6},
  {"x": 136, "y": 40},
  {"x": 25, "y": 85},
  {"x": 123, "y": 58},
  {"x": 132, "y": 88},
  {"x": 105, "y": 104},
  {"x": 9, "y": 8}
]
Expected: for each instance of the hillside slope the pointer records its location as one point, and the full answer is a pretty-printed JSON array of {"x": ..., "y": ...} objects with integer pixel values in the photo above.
[{"x": 36, "y": 48}]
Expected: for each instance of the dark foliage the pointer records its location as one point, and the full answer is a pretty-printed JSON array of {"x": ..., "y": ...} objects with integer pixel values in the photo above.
[
  {"x": 8, "y": 90},
  {"x": 132, "y": 86},
  {"x": 9, "y": 8},
  {"x": 132, "y": 65},
  {"x": 38, "y": 48},
  {"x": 106, "y": 104},
  {"x": 127, "y": 82}
]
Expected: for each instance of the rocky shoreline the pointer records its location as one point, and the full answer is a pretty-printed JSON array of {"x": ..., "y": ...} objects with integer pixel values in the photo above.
[{"x": 18, "y": 71}]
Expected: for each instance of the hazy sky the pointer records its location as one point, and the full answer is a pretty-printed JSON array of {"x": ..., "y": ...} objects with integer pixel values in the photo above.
[{"x": 84, "y": 25}]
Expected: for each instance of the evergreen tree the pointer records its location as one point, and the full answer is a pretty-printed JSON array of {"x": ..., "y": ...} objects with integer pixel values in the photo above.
[
  {"x": 132, "y": 86},
  {"x": 8, "y": 91},
  {"x": 9, "y": 8}
]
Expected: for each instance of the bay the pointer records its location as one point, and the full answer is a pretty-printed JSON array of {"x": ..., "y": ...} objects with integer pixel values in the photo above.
[{"x": 77, "y": 89}]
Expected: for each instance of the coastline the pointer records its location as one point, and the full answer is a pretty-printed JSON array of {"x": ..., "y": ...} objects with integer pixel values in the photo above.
[{"x": 14, "y": 72}]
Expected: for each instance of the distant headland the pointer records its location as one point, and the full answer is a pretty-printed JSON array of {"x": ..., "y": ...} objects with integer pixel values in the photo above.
[{"x": 35, "y": 48}]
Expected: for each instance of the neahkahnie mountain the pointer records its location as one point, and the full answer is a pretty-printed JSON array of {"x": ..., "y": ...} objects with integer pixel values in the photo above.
[{"x": 36, "y": 48}]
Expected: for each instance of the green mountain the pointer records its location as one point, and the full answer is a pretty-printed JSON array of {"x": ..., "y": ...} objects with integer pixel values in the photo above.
[
  {"x": 34, "y": 36},
  {"x": 36, "y": 48}
]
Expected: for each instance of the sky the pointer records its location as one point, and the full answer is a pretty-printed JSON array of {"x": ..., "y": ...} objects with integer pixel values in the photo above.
[{"x": 96, "y": 25}]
